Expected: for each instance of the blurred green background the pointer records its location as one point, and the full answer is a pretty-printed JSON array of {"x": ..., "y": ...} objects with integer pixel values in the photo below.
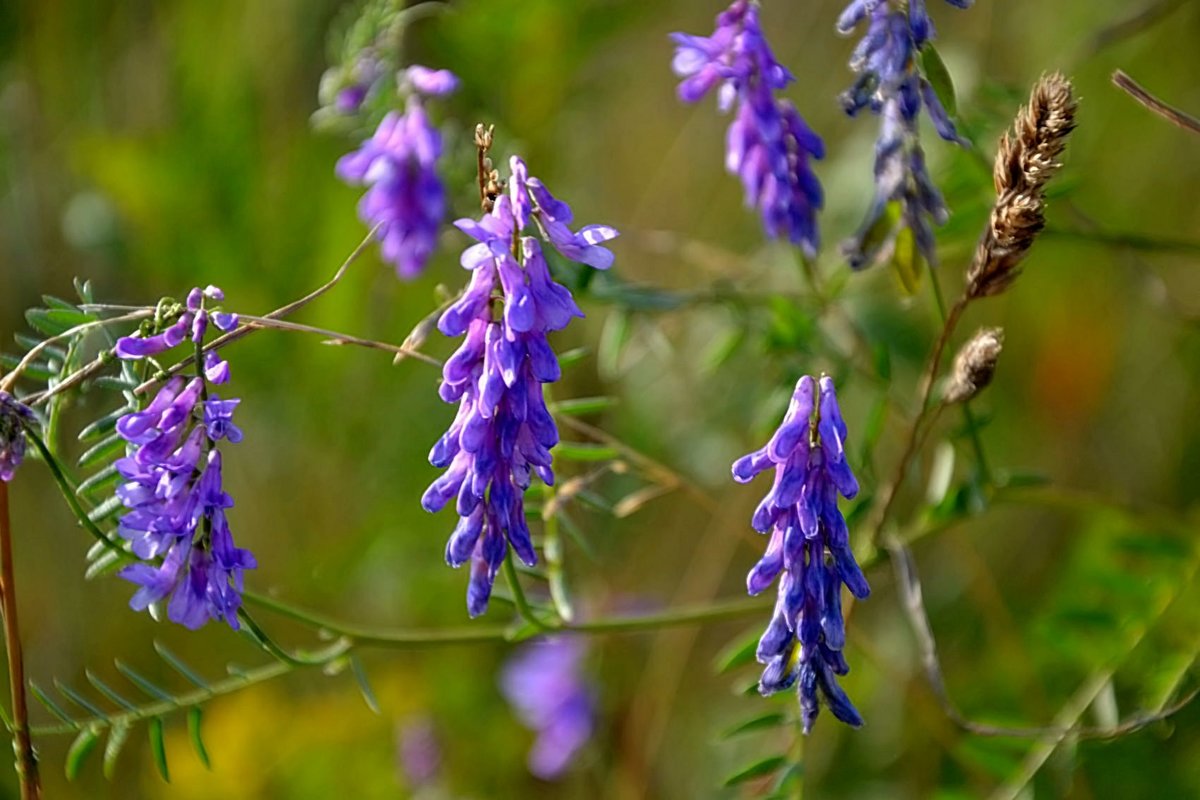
[{"x": 153, "y": 146}]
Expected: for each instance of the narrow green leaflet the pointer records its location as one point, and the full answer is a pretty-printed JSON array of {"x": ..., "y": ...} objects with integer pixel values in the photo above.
[
  {"x": 194, "y": 717},
  {"x": 80, "y": 749},
  {"x": 773, "y": 719},
  {"x": 158, "y": 747},
  {"x": 118, "y": 734},
  {"x": 934, "y": 70},
  {"x": 759, "y": 769}
]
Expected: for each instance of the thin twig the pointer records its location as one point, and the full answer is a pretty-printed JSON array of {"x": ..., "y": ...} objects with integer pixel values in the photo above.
[
  {"x": 909, "y": 587},
  {"x": 27, "y": 768},
  {"x": 887, "y": 495},
  {"x": 11, "y": 378},
  {"x": 336, "y": 338},
  {"x": 282, "y": 311},
  {"x": 1171, "y": 114}
]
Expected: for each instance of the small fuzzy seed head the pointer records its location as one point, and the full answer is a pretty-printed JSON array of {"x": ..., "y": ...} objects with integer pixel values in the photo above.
[
  {"x": 975, "y": 365},
  {"x": 1028, "y": 158}
]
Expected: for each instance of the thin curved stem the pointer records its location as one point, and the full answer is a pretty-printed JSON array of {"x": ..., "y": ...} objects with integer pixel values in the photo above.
[
  {"x": 11, "y": 378},
  {"x": 888, "y": 494}
]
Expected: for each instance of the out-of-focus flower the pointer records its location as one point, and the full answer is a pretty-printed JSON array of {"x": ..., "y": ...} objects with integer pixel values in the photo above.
[
  {"x": 172, "y": 485},
  {"x": 545, "y": 685},
  {"x": 503, "y": 432},
  {"x": 890, "y": 85},
  {"x": 418, "y": 751},
  {"x": 405, "y": 197},
  {"x": 13, "y": 416},
  {"x": 769, "y": 144},
  {"x": 803, "y": 643}
]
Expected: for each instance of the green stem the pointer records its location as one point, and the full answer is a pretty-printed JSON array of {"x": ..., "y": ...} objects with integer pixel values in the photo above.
[
  {"x": 523, "y": 607},
  {"x": 985, "y": 472},
  {"x": 68, "y": 493}
]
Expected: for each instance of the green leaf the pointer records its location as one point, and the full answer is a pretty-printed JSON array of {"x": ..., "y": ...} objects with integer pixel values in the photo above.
[
  {"x": 53, "y": 302},
  {"x": 881, "y": 359},
  {"x": 774, "y": 719},
  {"x": 360, "y": 675},
  {"x": 55, "y": 321},
  {"x": 80, "y": 749},
  {"x": 104, "y": 564},
  {"x": 759, "y": 769},
  {"x": 115, "y": 383},
  {"x": 159, "y": 747},
  {"x": 907, "y": 261},
  {"x": 105, "y": 510},
  {"x": 793, "y": 773},
  {"x": 117, "y": 736},
  {"x": 103, "y": 479},
  {"x": 79, "y": 700},
  {"x": 179, "y": 666},
  {"x": 934, "y": 70},
  {"x": 1017, "y": 480},
  {"x": 737, "y": 653},
  {"x": 37, "y": 370},
  {"x": 193, "y": 725},
  {"x": 572, "y": 357},
  {"x": 142, "y": 683},
  {"x": 104, "y": 449},
  {"x": 584, "y": 451},
  {"x": 83, "y": 288},
  {"x": 613, "y": 338},
  {"x": 107, "y": 690},
  {"x": 582, "y": 406},
  {"x": 723, "y": 348},
  {"x": 47, "y": 701},
  {"x": 105, "y": 425}
]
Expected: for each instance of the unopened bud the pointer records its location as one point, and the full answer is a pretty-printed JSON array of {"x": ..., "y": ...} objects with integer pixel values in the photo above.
[{"x": 975, "y": 365}]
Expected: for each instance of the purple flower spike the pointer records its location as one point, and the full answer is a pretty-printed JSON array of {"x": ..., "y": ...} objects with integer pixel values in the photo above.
[
  {"x": 809, "y": 552},
  {"x": 503, "y": 432},
  {"x": 545, "y": 687},
  {"x": 769, "y": 145},
  {"x": 398, "y": 164},
  {"x": 13, "y": 416},
  {"x": 173, "y": 495},
  {"x": 890, "y": 86}
]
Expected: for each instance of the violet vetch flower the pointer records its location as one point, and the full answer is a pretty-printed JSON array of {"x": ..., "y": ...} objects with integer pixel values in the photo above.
[
  {"x": 418, "y": 752},
  {"x": 13, "y": 416},
  {"x": 176, "y": 520},
  {"x": 398, "y": 164},
  {"x": 545, "y": 686},
  {"x": 503, "y": 432},
  {"x": 809, "y": 551},
  {"x": 889, "y": 85},
  {"x": 768, "y": 144}
]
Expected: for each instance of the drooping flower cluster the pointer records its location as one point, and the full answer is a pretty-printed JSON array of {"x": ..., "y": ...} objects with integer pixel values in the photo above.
[
  {"x": 503, "y": 432},
  {"x": 13, "y": 416},
  {"x": 176, "y": 521},
  {"x": 768, "y": 145},
  {"x": 809, "y": 548},
  {"x": 545, "y": 686},
  {"x": 398, "y": 164},
  {"x": 891, "y": 86}
]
